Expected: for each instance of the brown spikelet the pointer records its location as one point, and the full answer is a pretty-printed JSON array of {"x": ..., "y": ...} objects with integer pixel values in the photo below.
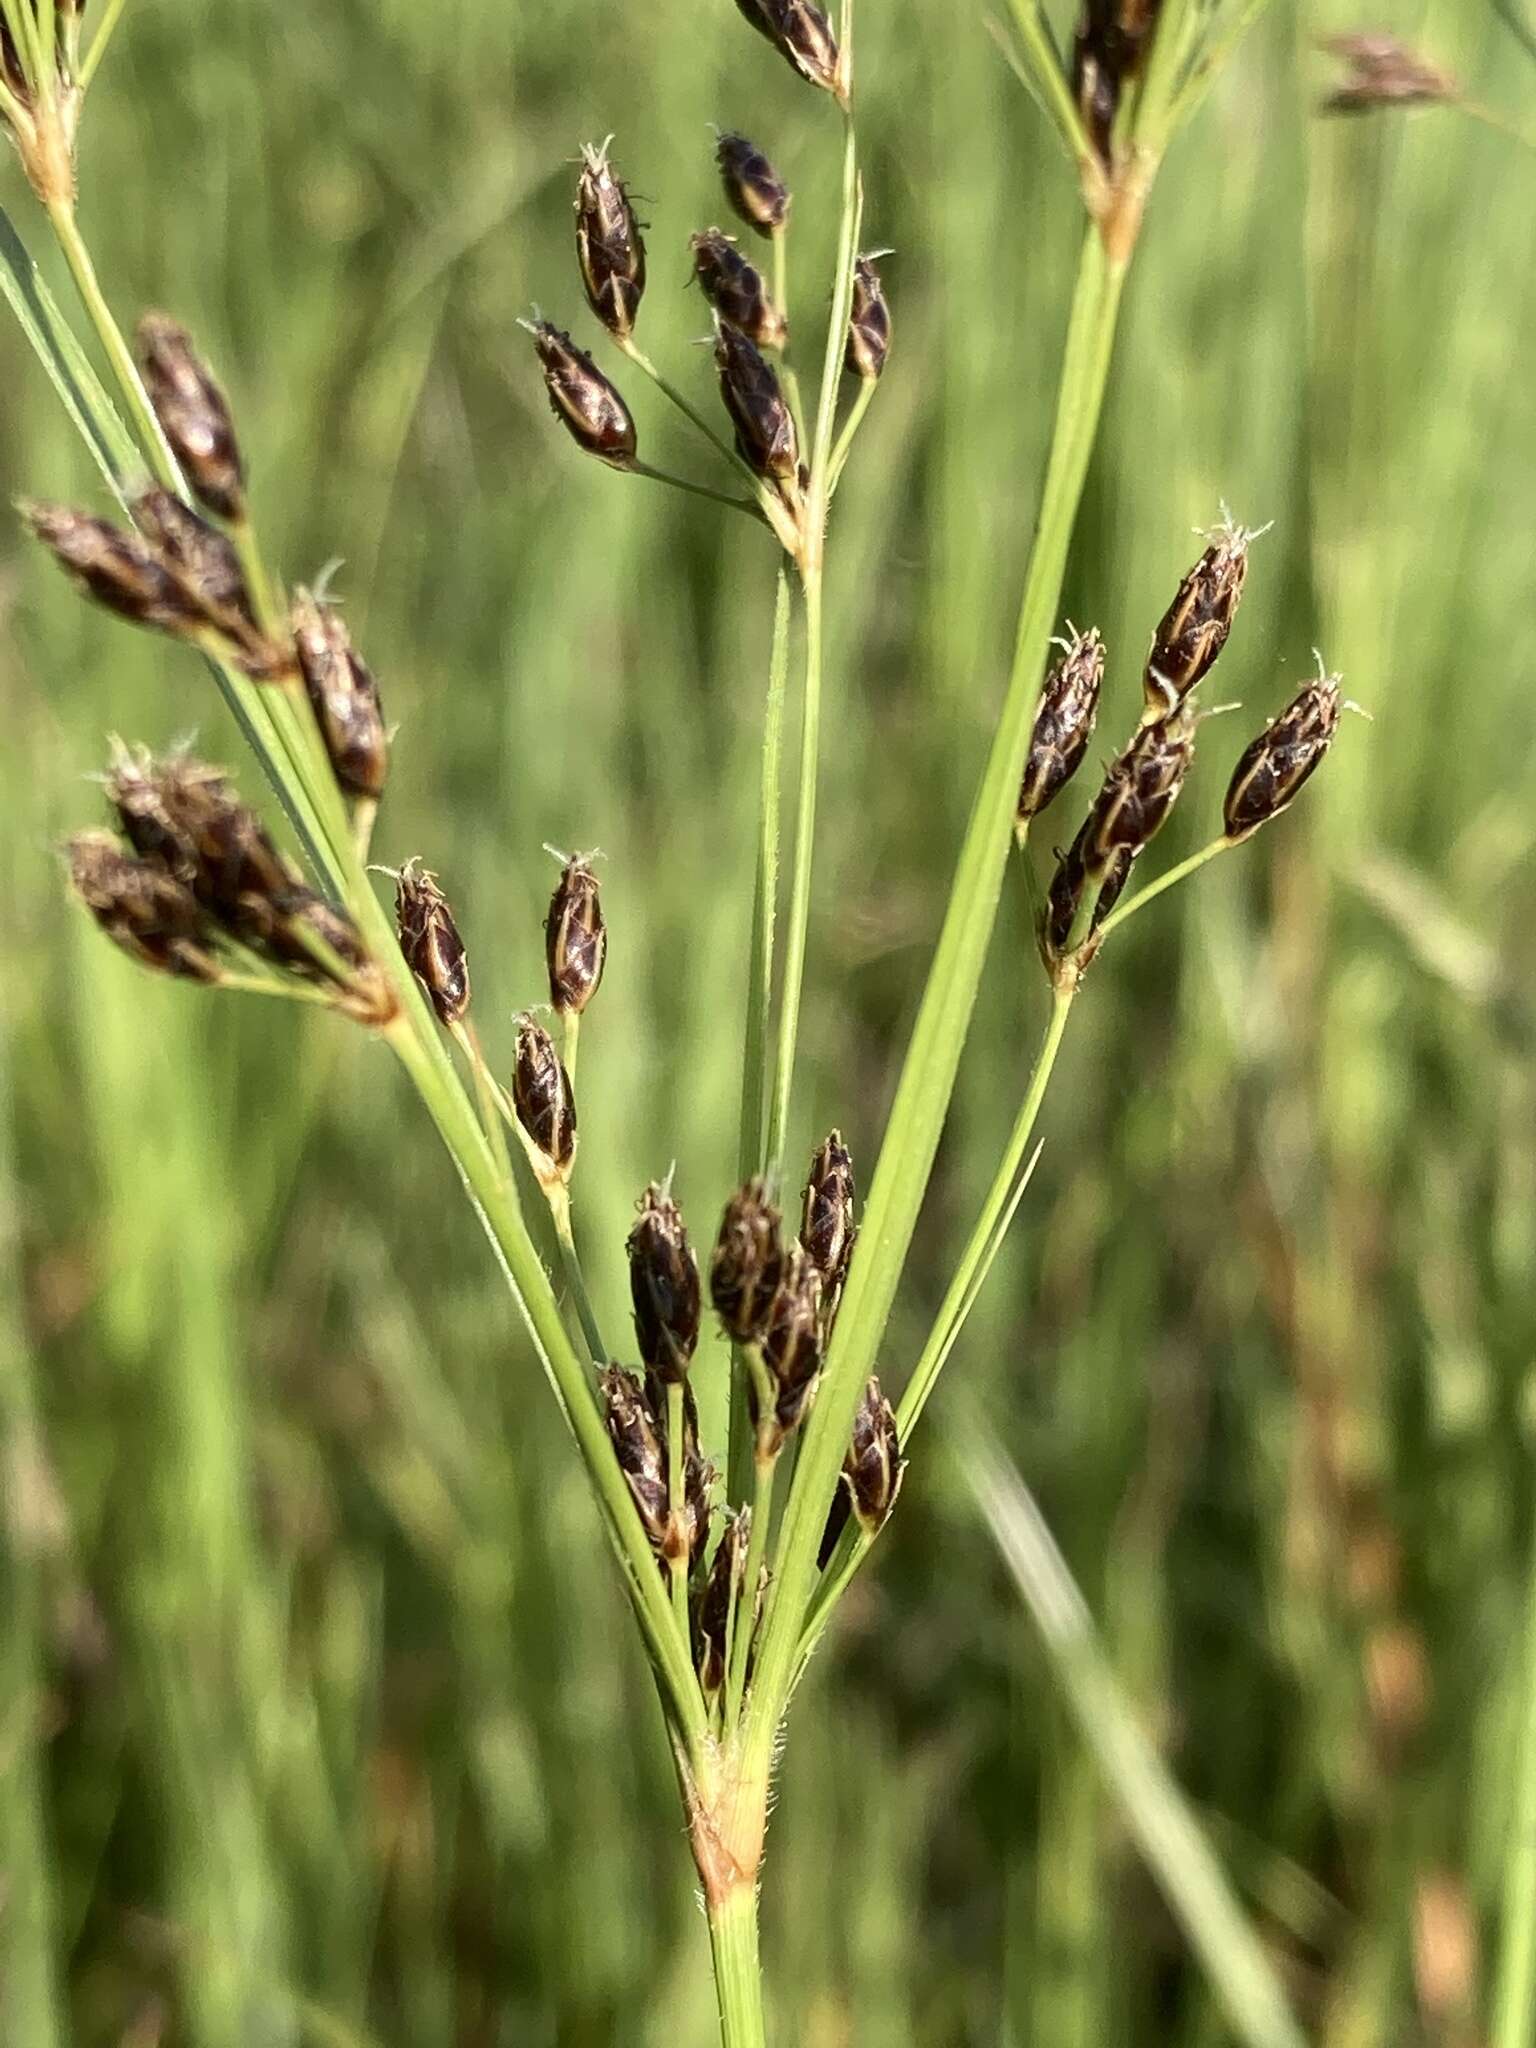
[
  {"x": 610, "y": 250},
  {"x": 429, "y": 939},
  {"x": 193, "y": 414}
]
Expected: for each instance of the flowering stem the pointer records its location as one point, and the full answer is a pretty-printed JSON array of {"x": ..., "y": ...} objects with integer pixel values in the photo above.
[
  {"x": 855, "y": 419},
  {"x": 738, "y": 1967},
  {"x": 934, "y": 1051},
  {"x": 817, "y": 499},
  {"x": 111, "y": 15},
  {"x": 678, "y": 1564},
  {"x": 681, "y": 483},
  {"x": 764, "y": 1470},
  {"x": 66, "y": 229},
  {"x": 1153, "y": 890}
]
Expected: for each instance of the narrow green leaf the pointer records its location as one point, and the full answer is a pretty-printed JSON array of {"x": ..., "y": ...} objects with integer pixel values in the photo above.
[
  {"x": 56, "y": 347},
  {"x": 1171, "y": 1840}
]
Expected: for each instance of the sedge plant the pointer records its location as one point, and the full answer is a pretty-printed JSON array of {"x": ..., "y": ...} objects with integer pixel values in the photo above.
[{"x": 733, "y": 1557}]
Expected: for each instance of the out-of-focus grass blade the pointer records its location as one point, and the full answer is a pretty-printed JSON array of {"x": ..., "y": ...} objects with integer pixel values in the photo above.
[
  {"x": 1514, "y": 17},
  {"x": 1171, "y": 1841},
  {"x": 54, "y": 343}
]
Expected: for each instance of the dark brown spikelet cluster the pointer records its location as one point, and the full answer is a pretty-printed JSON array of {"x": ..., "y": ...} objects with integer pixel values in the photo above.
[
  {"x": 765, "y": 427},
  {"x": 792, "y": 1347},
  {"x": 1107, "y": 53},
  {"x": 194, "y": 415},
  {"x": 803, "y": 37},
  {"x": 827, "y": 1228},
  {"x": 664, "y": 1286},
  {"x": 345, "y": 698},
  {"x": 748, "y": 1263},
  {"x": 873, "y": 1469},
  {"x": 1194, "y": 629},
  {"x": 635, "y": 1418},
  {"x": 430, "y": 942},
  {"x": 1131, "y": 808},
  {"x": 1382, "y": 71},
  {"x": 203, "y": 875},
  {"x": 736, "y": 289},
  {"x": 610, "y": 249},
  {"x": 177, "y": 576},
  {"x": 542, "y": 1097},
  {"x": 722, "y": 1592},
  {"x": 869, "y": 322},
  {"x": 575, "y": 938},
  {"x": 1274, "y": 767},
  {"x": 141, "y": 907},
  {"x": 581, "y": 397},
  {"x": 754, "y": 191},
  {"x": 1064, "y": 723}
]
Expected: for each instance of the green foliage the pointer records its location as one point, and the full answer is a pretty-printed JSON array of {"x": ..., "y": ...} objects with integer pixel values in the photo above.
[{"x": 319, "y": 1719}]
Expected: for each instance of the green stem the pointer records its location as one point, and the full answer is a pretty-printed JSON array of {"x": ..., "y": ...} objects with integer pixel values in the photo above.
[
  {"x": 678, "y": 1566},
  {"x": 586, "y": 1315},
  {"x": 951, "y": 1316},
  {"x": 867, "y": 389},
  {"x": 933, "y": 1054},
  {"x": 738, "y": 1968},
  {"x": 109, "y": 20},
  {"x": 681, "y": 483},
  {"x": 253, "y": 567},
  {"x": 450, "y": 1110},
  {"x": 755, "y": 1074},
  {"x": 763, "y": 1473},
  {"x": 1514, "y": 1997},
  {"x": 66, "y": 230},
  {"x": 1153, "y": 890},
  {"x": 817, "y": 499}
]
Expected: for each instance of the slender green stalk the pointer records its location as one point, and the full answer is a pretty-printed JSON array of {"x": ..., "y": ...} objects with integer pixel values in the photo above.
[
  {"x": 851, "y": 426},
  {"x": 818, "y": 497},
  {"x": 1179, "y": 873},
  {"x": 111, "y": 15},
  {"x": 755, "y": 1073},
  {"x": 570, "y": 1044},
  {"x": 738, "y": 1968},
  {"x": 681, "y": 483},
  {"x": 586, "y": 1315},
  {"x": 1514, "y": 1992},
  {"x": 933, "y": 1054},
  {"x": 764, "y": 1471},
  {"x": 679, "y": 1565},
  {"x": 253, "y": 566},
  {"x": 81, "y": 268},
  {"x": 925, "y": 1373}
]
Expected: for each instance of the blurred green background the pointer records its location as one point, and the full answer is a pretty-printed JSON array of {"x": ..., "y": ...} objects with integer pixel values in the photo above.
[{"x": 320, "y": 1720}]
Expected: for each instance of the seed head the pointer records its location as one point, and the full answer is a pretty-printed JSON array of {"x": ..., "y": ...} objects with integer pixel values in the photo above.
[
  {"x": 118, "y": 569},
  {"x": 1195, "y": 626},
  {"x": 148, "y": 912},
  {"x": 765, "y": 426},
  {"x": 639, "y": 1444},
  {"x": 792, "y": 1343},
  {"x": 754, "y": 191},
  {"x": 575, "y": 938},
  {"x": 748, "y": 1262},
  {"x": 873, "y": 1468},
  {"x": 582, "y": 399},
  {"x": 869, "y": 322},
  {"x": 429, "y": 939},
  {"x": 193, "y": 415},
  {"x": 541, "y": 1095},
  {"x": 609, "y": 247},
  {"x": 736, "y": 289},
  {"x": 183, "y": 816},
  {"x": 1139, "y": 790},
  {"x": 827, "y": 1229},
  {"x": 802, "y": 35},
  {"x": 1108, "y": 50},
  {"x": 203, "y": 557},
  {"x": 1290, "y": 749},
  {"x": 664, "y": 1286},
  {"x": 345, "y": 698},
  {"x": 1069, "y": 710},
  {"x": 1381, "y": 71},
  {"x": 722, "y": 1591}
]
